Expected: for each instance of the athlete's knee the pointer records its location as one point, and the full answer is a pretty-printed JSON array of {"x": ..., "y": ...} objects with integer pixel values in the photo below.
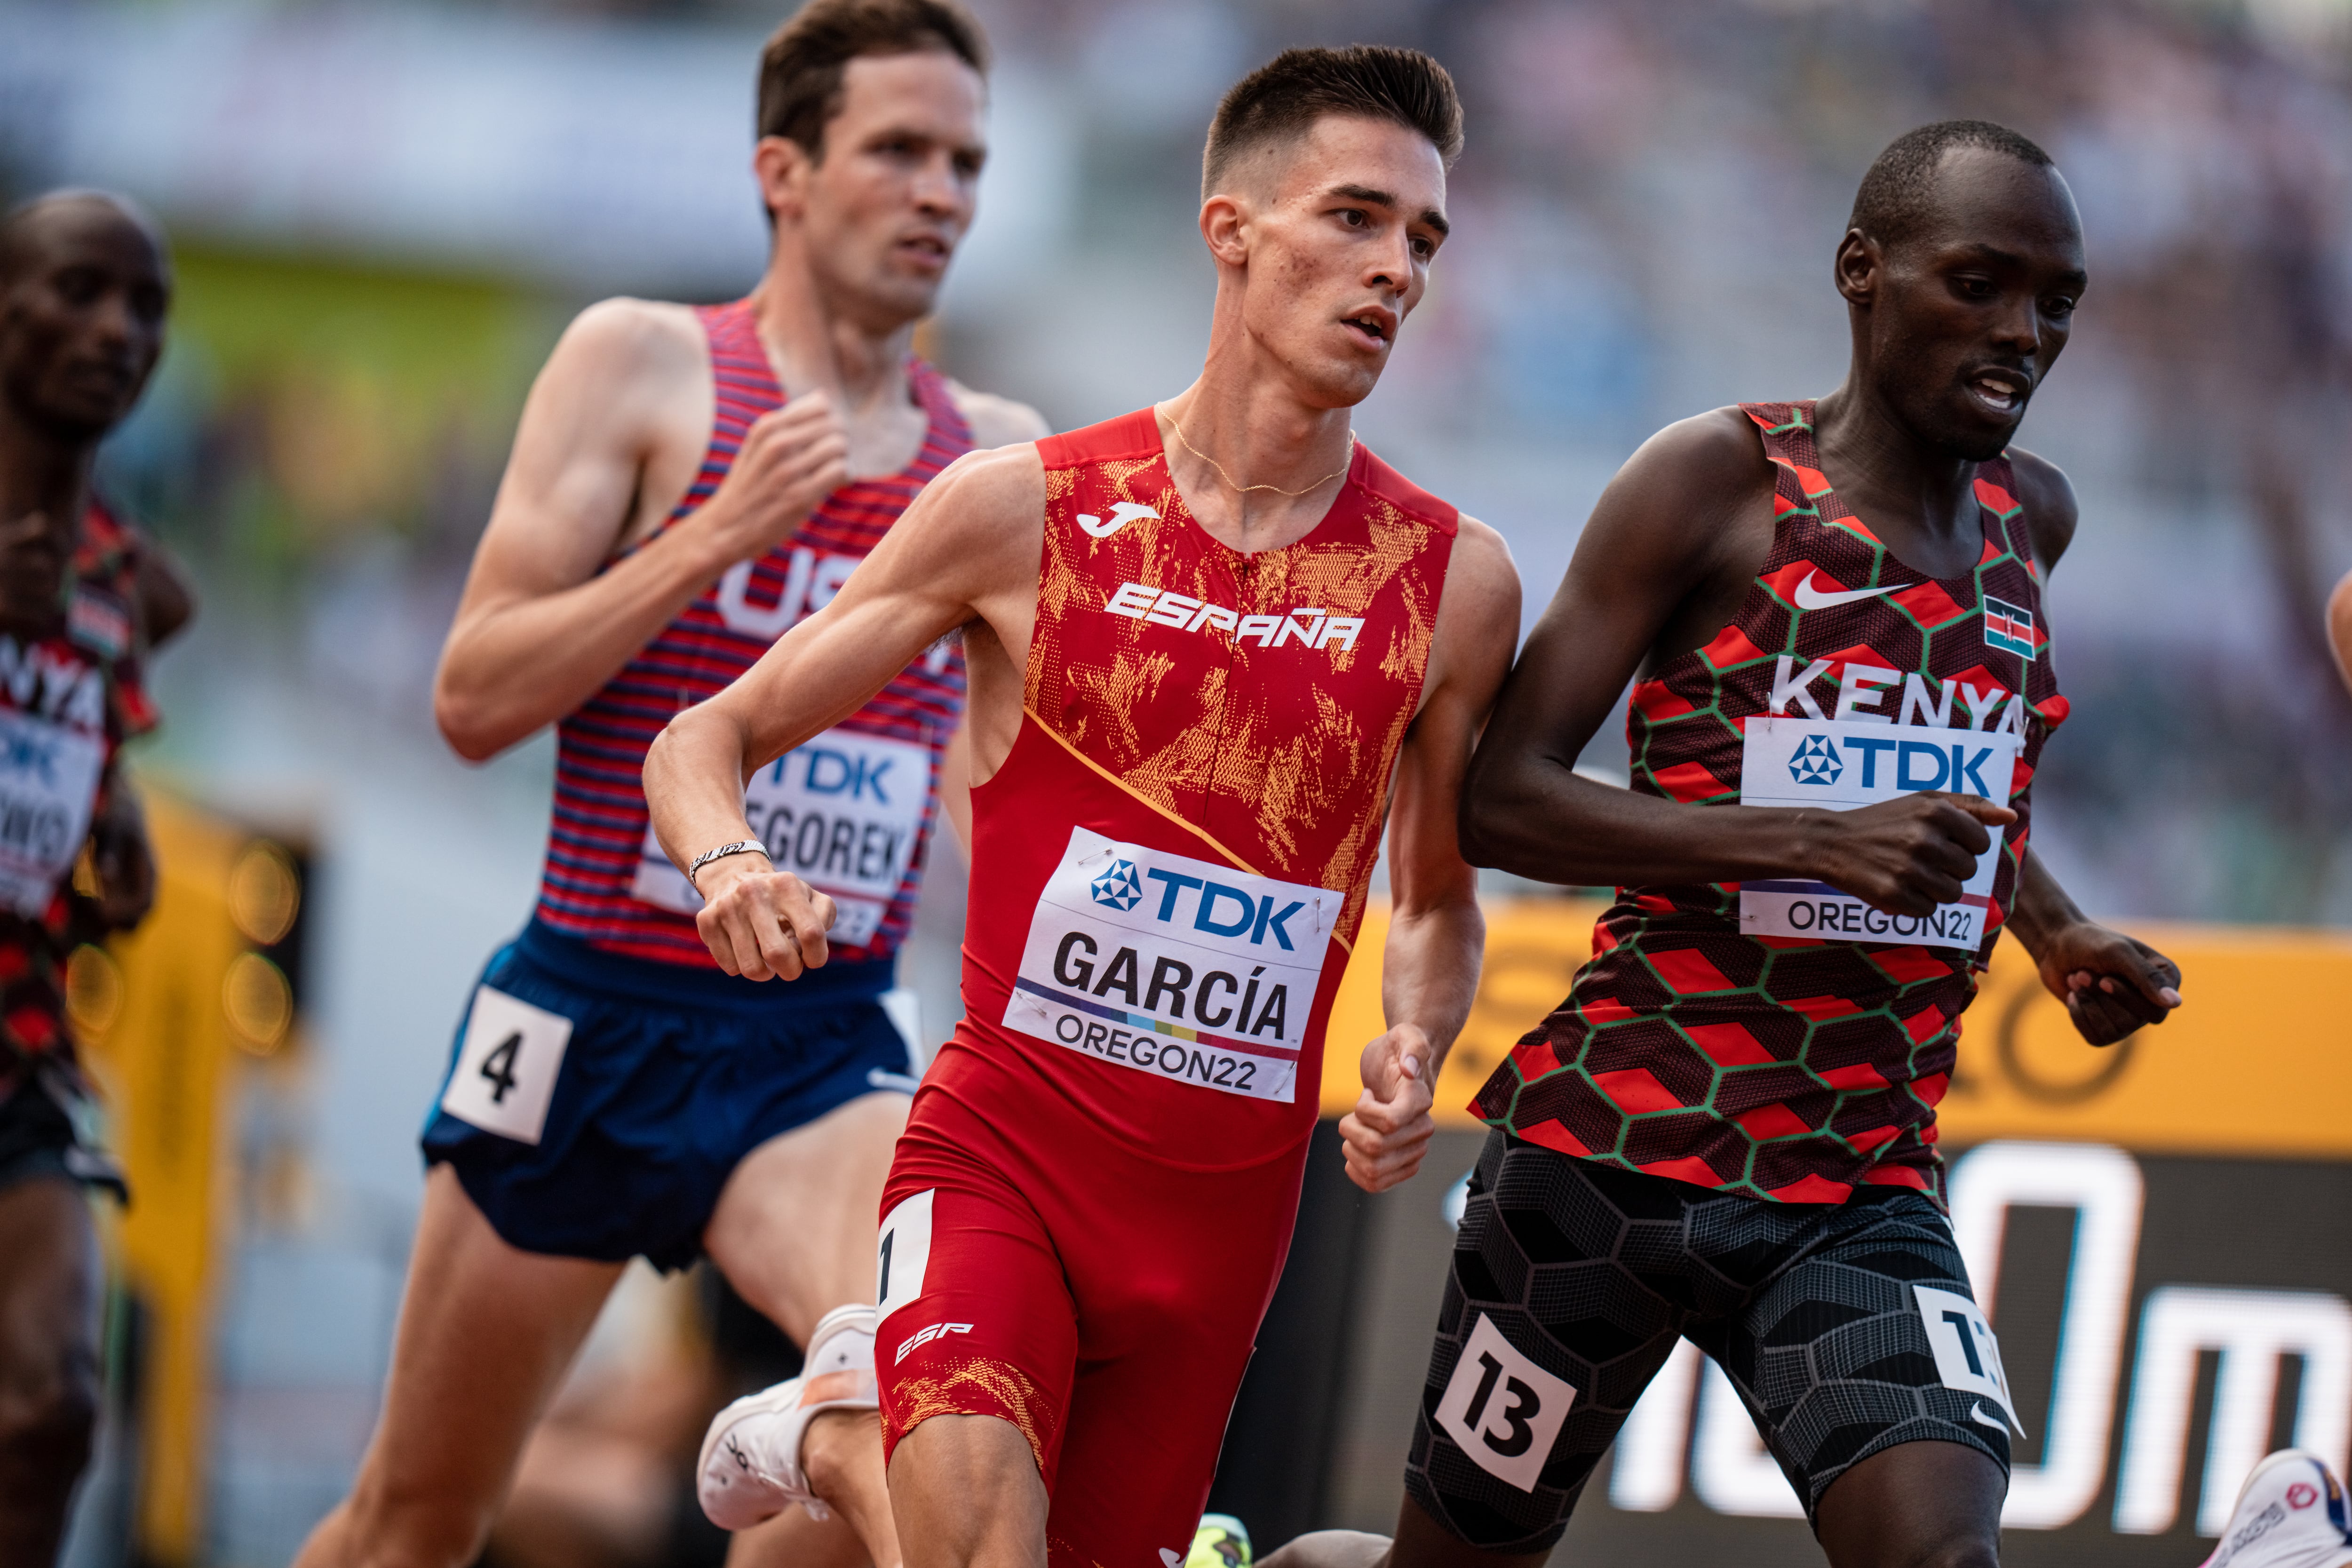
[
  {"x": 48, "y": 1417},
  {"x": 840, "y": 1450},
  {"x": 1331, "y": 1549},
  {"x": 390, "y": 1525}
]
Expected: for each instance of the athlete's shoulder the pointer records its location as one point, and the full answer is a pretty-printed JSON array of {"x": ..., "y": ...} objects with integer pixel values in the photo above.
[
  {"x": 1393, "y": 487},
  {"x": 1135, "y": 434},
  {"x": 1480, "y": 568},
  {"x": 996, "y": 421},
  {"x": 624, "y": 335},
  {"x": 2048, "y": 498},
  {"x": 1719, "y": 450}
]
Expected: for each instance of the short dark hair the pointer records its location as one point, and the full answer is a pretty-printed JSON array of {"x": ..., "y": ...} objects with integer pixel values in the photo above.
[
  {"x": 801, "y": 67},
  {"x": 1284, "y": 98},
  {"x": 1898, "y": 193}
]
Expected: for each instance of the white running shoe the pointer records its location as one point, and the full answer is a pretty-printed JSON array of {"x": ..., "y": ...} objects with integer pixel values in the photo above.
[
  {"x": 751, "y": 1465},
  {"x": 2291, "y": 1514}
]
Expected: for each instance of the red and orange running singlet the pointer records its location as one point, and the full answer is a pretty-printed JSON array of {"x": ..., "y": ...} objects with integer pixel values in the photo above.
[
  {"x": 1170, "y": 868},
  {"x": 1780, "y": 1037}
]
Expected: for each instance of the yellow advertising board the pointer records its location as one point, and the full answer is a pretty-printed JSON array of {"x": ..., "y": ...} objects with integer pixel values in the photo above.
[{"x": 2257, "y": 1061}]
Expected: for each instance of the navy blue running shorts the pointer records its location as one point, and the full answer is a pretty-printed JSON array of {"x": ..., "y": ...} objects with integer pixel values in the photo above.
[
  {"x": 595, "y": 1104},
  {"x": 1845, "y": 1328}
]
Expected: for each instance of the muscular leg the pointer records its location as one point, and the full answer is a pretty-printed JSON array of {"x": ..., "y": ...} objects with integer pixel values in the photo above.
[
  {"x": 794, "y": 1233},
  {"x": 968, "y": 1495},
  {"x": 48, "y": 1360},
  {"x": 487, "y": 1332},
  {"x": 1916, "y": 1505}
]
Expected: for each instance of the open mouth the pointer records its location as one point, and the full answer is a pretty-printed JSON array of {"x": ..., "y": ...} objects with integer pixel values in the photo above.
[
  {"x": 1372, "y": 328},
  {"x": 2001, "y": 392},
  {"x": 924, "y": 248}
]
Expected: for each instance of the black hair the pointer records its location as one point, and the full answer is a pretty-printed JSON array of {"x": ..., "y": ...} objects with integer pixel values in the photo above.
[
  {"x": 1284, "y": 98},
  {"x": 1897, "y": 194}
]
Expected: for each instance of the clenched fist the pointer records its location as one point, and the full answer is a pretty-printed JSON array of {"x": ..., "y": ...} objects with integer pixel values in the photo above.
[
  {"x": 791, "y": 458},
  {"x": 760, "y": 922}
]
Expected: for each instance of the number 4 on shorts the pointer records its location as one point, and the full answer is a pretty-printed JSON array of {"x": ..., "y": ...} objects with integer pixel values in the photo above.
[
  {"x": 1502, "y": 1409},
  {"x": 507, "y": 1066}
]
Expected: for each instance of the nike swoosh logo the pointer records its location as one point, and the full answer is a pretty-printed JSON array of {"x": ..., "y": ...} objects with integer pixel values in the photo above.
[
  {"x": 1811, "y": 598},
  {"x": 1980, "y": 1414}
]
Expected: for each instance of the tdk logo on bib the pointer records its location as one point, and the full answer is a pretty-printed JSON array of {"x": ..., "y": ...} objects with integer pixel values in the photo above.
[
  {"x": 1841, "y": 765},
  {"x": 1118, "y": 886},
  {"x": 1173, "y": 966},
  {"x": 1815, "y": 761}
]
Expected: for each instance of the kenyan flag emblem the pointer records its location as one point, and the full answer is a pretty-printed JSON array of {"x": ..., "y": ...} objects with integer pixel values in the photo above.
[{"x": 2008, "y": 628}]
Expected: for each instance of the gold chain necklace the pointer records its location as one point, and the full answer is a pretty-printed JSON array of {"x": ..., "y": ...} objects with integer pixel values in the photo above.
[{"x": 1244, "y": 489}]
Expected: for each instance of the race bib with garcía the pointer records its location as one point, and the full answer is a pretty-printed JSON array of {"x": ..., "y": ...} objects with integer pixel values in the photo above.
[
  {"x": 1840, "y": 765},
  {"x": 1163, "y": 964},
  {"x": 842, "y": 812},
  {"x": 49, "y": 787}
]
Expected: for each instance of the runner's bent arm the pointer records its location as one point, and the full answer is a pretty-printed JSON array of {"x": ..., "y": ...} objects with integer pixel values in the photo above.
[
  {"x": 1669, "y": 525},
  {"x": 965, "y": 550},
  {"x": 2111, "y": 984},
  {"x": 540, "y": 628},
  {"x": 1429, "y": 973}
]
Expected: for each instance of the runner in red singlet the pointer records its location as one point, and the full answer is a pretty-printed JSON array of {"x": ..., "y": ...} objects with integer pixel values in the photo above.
[
  {"x": 1726, "y": 1131},
  {"x": 1215, "y": 646},
  {"x": 685, "y": 484}
]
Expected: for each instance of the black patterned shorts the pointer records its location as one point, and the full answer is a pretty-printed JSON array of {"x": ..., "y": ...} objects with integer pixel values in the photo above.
[{"x": 1846, "y": 1327}]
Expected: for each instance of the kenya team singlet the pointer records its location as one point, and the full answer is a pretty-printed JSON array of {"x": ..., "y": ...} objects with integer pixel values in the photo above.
[
  {"x": 1169, "y": 869},
  {"x": 1781, "y": 1038},
  {"x": 851, "y": 810}
]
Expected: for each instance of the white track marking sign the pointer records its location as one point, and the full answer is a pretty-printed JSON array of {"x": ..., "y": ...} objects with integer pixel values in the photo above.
[
  {"x": 1177, "y": 967},
  {"x": 1840, "y": 765}
]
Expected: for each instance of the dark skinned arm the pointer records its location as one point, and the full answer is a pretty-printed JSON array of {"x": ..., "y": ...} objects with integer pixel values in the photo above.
[
  {"x": 1674, "y": 530},
  {"x": 2111, "y": 984}
]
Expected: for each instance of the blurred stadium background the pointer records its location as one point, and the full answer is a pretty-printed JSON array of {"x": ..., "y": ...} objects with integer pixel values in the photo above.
[{"x": 382, "y": 216}]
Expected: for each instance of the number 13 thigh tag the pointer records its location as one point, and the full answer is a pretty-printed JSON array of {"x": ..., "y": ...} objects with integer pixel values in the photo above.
[
  {"x": 505, "y": 1069},
  {"x": 1967, "y": 1357},
  {"x": 1502, "y": 1409}
]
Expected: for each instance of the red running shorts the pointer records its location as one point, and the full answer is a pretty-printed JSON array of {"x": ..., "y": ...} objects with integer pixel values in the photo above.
[{"x": 1103, "y": 1303}]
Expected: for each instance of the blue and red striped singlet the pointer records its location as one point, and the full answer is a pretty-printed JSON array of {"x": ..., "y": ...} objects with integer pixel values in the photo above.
[{"x": 852, "y": 810}]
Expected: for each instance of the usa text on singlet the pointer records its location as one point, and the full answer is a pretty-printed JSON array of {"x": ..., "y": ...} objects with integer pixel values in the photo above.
[{"x": 1781, "y": 1037}]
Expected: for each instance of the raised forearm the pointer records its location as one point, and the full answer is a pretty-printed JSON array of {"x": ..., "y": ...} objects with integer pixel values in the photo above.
[
  {"x": 694, "y": 782},
  {"x": 513, "y": 666},
  {"x": 2040, "y": 909},
  {"x": 1429, "y": 973},
  {"x": 1542, "y": 822}
]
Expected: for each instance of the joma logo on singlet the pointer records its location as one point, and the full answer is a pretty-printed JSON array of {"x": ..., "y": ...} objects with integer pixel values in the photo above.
[
  {"x": 1308, "y": 627},
  {"x": 1925, "y": 700}
]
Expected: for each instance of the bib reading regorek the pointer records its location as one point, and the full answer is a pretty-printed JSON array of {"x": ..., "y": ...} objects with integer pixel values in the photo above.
[
  {"x": 843, "y": 812},
  {"x": 1165, "y": 965},
  {"x": 1839, "y": 766}
]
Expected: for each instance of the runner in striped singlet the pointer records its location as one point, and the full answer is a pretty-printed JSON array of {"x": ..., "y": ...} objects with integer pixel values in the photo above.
[
  {"x": 685, "y": 484},
  {"x": 1726, "y": 1132}
]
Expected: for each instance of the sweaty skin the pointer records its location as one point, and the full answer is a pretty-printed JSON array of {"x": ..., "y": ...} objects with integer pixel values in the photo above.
[
  {"x": 574, "y": 574},
  {"x": 1323, "y": 247},
  {"x": 1952, "y": 331}
]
